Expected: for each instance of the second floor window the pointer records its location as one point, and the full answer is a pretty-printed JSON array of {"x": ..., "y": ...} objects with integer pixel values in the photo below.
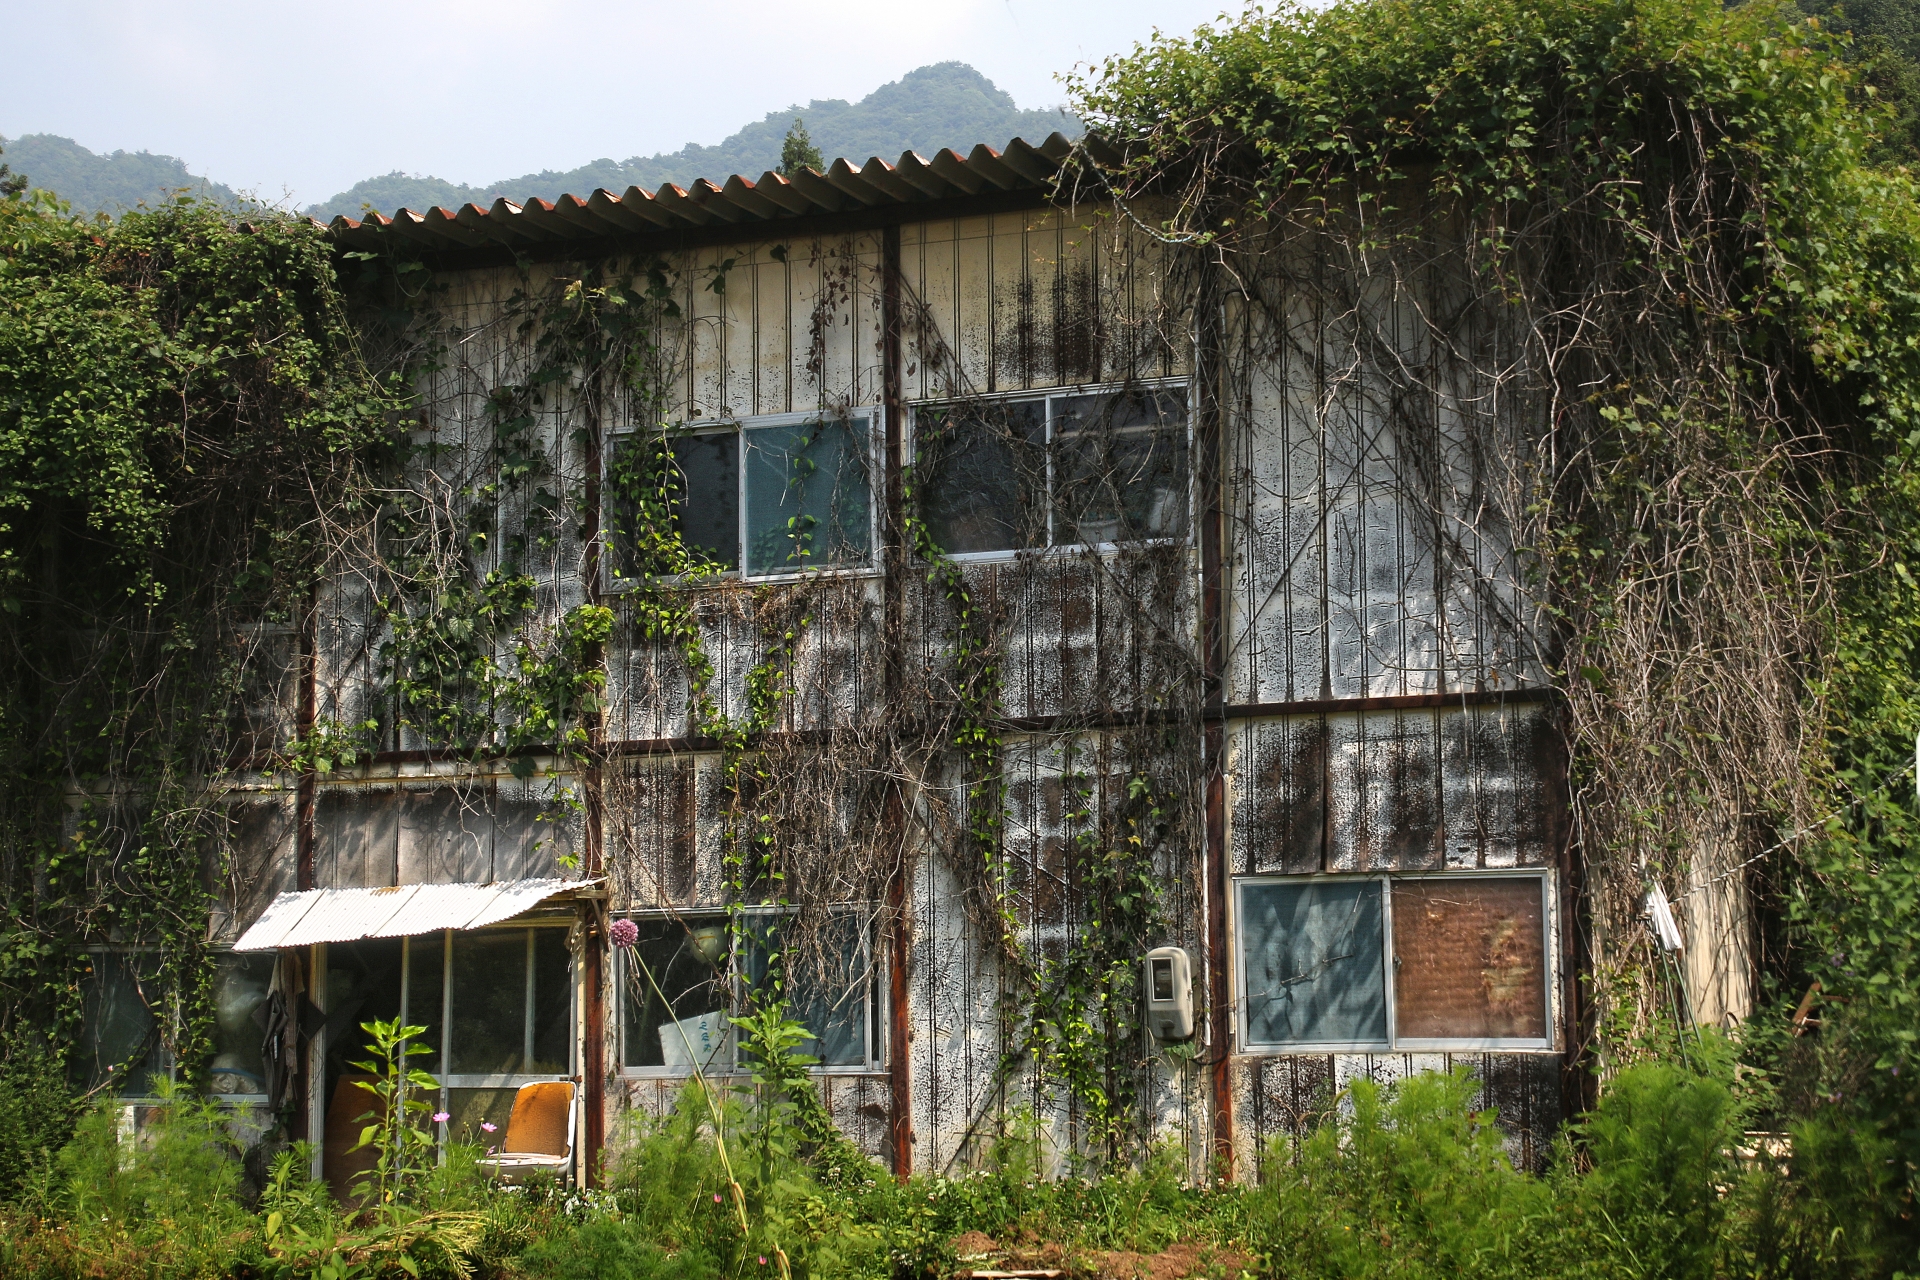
[
  {"x": 1086, "y": 469},
  {"x": 757, "y": 498}
]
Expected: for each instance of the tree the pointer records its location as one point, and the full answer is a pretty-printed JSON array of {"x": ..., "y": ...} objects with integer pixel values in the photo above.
[
  {"x": 798, "y": 151},
  {"x": 11, "y": 184}
]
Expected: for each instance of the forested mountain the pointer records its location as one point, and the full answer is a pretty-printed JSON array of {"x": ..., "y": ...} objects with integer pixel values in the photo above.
[
  {"x": 948, "y": 104},
  {"x": 105, "y": 183}
]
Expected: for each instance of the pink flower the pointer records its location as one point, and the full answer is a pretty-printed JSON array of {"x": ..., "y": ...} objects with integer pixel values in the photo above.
[
  {"x": 488, "y": 1127},
  {"x": 716, "y": 1197},
  {"x": 624, "y": 933},
  {"x": 763, "y": 1259},
  {"x": 440, "y": 1117}
]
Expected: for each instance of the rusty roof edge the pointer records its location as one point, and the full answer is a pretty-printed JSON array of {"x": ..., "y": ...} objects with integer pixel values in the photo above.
[{"x": 1021, "y": 175}]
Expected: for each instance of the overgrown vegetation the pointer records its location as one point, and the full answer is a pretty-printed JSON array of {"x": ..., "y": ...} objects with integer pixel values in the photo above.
[
  {"x": 1405, "y": 1181},
  {"x": 1659, "y": 227},
  {"x": 1680, "y": 254}
]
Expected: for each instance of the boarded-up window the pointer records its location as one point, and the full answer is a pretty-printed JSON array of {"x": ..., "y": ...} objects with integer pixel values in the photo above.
[{"x": 1470, "y": 958}]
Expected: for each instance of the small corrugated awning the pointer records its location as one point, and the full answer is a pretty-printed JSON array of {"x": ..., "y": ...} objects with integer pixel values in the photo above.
[{"x": 343, "y": 915}]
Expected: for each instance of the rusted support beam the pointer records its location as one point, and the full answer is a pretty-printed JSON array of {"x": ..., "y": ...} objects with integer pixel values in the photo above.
[
  {"x": 593, "y": 1017},
  {"x": 1209, "y": 340},
  {"x": 896, "y": 565}
]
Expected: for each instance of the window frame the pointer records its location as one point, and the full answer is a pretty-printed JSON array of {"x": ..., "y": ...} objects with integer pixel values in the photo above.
[
  {"x": 1047, "y": 396},
  {"x": 875, "y": 418},
  {"x": 1395, "y": 1042},
  {"x": 875, "y": 1011},
  {"x": 163, "y": 1023}
]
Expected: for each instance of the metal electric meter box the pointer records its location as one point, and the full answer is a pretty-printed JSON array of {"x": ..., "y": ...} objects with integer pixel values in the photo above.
[{"x": 1169, "y": 979}]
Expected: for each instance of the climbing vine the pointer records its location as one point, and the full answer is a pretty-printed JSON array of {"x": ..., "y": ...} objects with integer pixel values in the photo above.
[
  {"x": 1643, "y": 243},
  {"x": 183, "y": 405}
]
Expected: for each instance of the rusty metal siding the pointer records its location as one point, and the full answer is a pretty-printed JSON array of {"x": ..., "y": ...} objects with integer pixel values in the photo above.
[
  {"x": 1418, "y": 790},
  {"x": 1365, "y": 558},
  {"x": 1283, "y": 1098},
  {"x": 1041, "y": 298},
  {"x": 1372, "y": 486}
]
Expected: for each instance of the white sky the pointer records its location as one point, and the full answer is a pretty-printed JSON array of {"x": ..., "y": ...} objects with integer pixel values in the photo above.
[{"x": 303, "y": 100}]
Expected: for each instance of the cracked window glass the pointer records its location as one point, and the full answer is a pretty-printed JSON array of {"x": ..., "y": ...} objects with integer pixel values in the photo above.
[
  {"x": 982, "y": 475},
  {"x": 1470, "y": 960},
  {"x": 808, "y": 496},
  {"x": 1314, "y": 962}
]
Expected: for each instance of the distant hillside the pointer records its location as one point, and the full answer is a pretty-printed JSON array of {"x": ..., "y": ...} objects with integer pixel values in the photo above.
[
  {"x": 105, "y": 183},
  {"x": 948, "y": 104}
]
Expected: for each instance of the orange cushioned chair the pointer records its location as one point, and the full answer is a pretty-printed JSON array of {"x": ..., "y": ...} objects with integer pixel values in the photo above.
[{"x": 539, "y": 1132}]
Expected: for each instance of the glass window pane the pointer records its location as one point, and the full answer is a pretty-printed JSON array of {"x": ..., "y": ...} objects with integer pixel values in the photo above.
[
  {"x": 240, "y": 985},
  {"x": 120, "y": 1024},
  {"x": 808, "y": 496},
  {"x": 675, "y": 995},
  {"x": 552, "y": 1004},
  {"x": 1314, "y": 970},
  {"x": 363, "y": 985},
  {"x": 426, "y": 980},
  {"x": 700, "y": 478},
  {"x": 489, "y": 1033},
  {"x": 1470, "y": 959},
  {"x": 980, "y": 472},
  {"x": 1120, "y": 467},
  {"x": 826, "y": 985}
]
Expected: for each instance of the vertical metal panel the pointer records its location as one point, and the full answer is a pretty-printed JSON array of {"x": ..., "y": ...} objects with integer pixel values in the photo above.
[
  {"x": 1356, "y": 435},
  {"x": 955, "y": 1037},
  {"x": 972, "y": 338},
  {"x": 1452, "y": 788},
  {"x": 357, "y": 837},
  {"x": 1277, "y": 778},
  {"x": 446, "y": 834},
  {"x": 1383, "y": 792},
  {"x": 263, "y": 863}
]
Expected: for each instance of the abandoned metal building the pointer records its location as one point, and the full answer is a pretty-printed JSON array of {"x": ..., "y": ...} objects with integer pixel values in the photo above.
[{"x": 1024, "y": 547}]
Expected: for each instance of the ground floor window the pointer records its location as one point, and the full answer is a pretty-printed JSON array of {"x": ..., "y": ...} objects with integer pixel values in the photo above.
[
  {"x": 122, "y": 1022},
  {"x": 128, "y": 1024},
  {"x": 498, "y": 1009},
  {"x": 1419, "y": 962},
  {"x": 685, "y": 973}
]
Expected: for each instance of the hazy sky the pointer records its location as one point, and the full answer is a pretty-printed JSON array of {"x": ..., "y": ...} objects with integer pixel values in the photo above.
[{"x": 306, "y": 99}]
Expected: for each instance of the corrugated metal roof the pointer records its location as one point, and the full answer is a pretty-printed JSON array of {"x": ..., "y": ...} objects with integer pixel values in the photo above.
[
  {"x": 344, "y": 915},
  {"x": 843, "y": 188}
]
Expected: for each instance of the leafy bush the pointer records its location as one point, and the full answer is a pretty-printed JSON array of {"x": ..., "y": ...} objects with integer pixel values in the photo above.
[
  {"x": 36, "y": 1114},
  {"x": 1405, "y": 1181}
]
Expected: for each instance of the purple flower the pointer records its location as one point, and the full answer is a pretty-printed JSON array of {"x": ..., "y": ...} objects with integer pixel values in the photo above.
[
  {"x": 439, "y": 1117},
  {"x": 624, "y": 933},
  {"x": 488, "y": 1126}
]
